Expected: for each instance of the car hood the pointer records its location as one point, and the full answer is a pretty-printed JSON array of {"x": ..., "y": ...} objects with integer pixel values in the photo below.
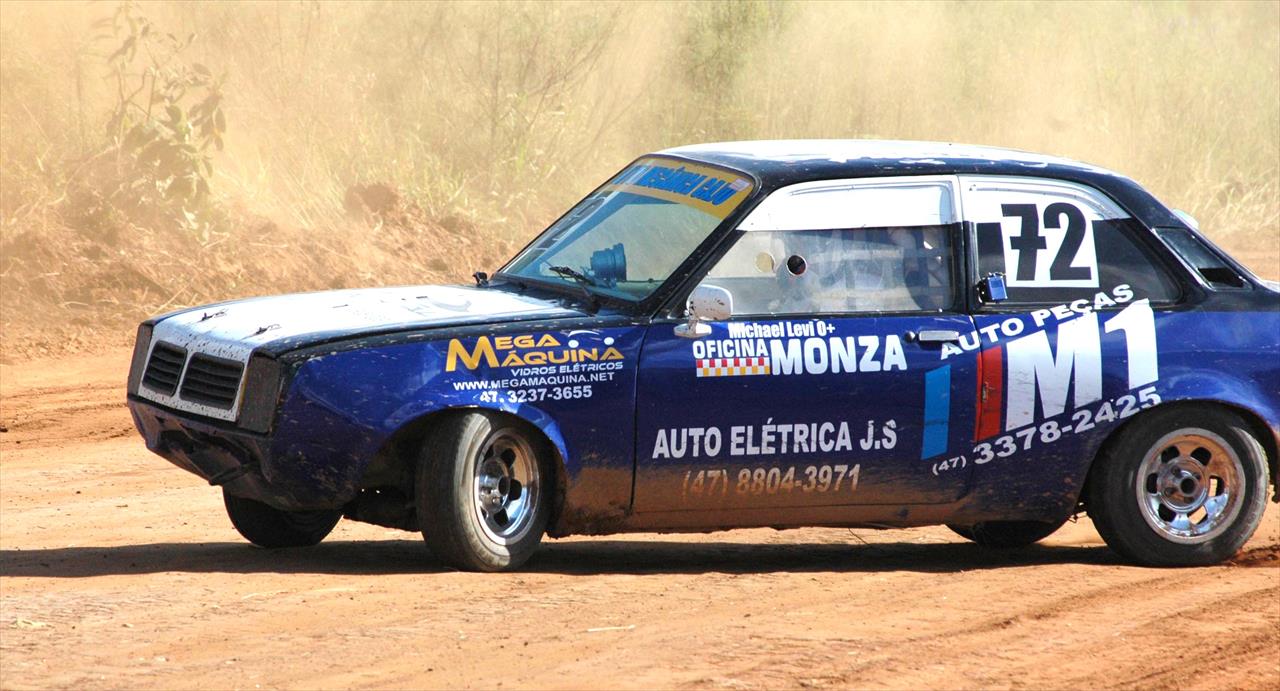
[{"x": 235, "y": 329}]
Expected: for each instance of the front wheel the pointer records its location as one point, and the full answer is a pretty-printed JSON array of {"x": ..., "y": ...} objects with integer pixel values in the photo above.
[
  {"x": 1180, "y": 487},
  {"x": 482, "y": 491},
  {"x": 266, "y": 526}
]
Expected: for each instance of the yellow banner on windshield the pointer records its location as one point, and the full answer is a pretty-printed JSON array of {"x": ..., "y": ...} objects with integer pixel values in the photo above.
[{"x": 711, "y": 190}]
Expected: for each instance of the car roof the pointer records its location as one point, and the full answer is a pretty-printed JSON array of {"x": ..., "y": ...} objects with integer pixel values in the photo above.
[
  {"x": 777, "y": 163},
  {"x": 863, "y": 156}
]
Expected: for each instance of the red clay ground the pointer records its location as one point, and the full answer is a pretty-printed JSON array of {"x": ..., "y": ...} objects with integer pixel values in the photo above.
[{"x": 117, "y": 570}]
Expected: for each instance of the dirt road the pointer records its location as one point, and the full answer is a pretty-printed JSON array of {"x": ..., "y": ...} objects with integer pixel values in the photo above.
[{"x": 117, "y": 570}]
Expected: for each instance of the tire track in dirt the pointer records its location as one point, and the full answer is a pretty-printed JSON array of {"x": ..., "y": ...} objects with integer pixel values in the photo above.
[{"x": 70, "y": 413}]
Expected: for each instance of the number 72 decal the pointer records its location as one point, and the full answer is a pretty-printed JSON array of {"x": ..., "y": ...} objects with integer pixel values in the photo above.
[{"x": 1046, "y": 247}]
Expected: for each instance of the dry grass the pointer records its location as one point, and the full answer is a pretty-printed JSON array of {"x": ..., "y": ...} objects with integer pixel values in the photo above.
[{"x": 488, "y": 118}]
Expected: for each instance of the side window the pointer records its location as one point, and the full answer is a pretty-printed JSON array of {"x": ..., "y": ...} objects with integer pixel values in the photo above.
[
  {"x": 1056, "y": 241},
  {"x": 844, "y": 247}
]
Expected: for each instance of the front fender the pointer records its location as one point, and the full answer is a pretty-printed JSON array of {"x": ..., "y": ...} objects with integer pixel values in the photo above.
[
  {"x": 342, "y": 407},
  {"x": 414, "y": 412}
]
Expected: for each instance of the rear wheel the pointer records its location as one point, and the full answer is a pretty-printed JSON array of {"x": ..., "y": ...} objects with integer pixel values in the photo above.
[
  {"x": 1006, "y": 534},
  {"x": 267, "y": 526},
  {"x": 1181, "y": 487},
  {"x": 481, "y": 492}
]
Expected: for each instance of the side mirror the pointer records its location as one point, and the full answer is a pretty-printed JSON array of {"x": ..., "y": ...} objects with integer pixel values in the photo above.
[
  {"x": 706, "y": 303},
  {"x": 992, "y": 288}
]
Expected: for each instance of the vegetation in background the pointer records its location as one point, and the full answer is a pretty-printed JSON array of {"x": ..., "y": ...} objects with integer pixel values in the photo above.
[
  {"x": 166, "y": 120},
  {"x": 459, "y": 129}
]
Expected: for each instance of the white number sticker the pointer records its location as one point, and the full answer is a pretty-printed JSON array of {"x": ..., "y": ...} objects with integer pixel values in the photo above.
[{"x": 1048, "y": 246}]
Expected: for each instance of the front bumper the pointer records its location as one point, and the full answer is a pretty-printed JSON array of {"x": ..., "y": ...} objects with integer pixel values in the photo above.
[{"x": 241, "y": 461}]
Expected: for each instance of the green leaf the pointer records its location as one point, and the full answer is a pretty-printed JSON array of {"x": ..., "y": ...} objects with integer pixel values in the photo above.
[{"x": 201, "y": 70}]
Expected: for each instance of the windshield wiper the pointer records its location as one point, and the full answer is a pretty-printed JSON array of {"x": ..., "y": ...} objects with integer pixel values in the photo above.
[
  {"x": 581, "y": 279},
  {"x": 570, "y": 272}
]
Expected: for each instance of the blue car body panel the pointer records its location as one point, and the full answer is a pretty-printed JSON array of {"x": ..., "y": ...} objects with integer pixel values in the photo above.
[
  {"x": 820, "y": 393},
  {"x": 806, "y": 419},
  {"x": 1223, "y": 357},
  {"x": 339, "y": 430}
]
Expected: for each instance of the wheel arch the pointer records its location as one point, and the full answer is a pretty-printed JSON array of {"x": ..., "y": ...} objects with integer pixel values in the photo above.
[
  {"x": 1255, "y": 423},
  {"x": 395, "y": 462}
]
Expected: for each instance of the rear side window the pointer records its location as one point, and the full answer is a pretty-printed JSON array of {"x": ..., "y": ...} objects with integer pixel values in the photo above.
[
  {"x": 1205, "y": 261},
  {"x": 1056, "y": 242}
]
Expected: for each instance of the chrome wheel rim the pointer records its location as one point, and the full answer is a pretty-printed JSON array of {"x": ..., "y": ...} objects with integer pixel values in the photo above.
[
  {"x": 1190, "y": 486},
  {"x": 505, "y": 487}
]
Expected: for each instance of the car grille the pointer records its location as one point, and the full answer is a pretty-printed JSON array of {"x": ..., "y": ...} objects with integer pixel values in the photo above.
[
  {"x": 212, "y": 381},
  {"x": 164, "y": 368}
]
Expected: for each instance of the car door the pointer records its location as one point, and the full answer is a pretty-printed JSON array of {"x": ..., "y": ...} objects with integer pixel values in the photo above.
[
  {"x": 829, "y": 385},
  {"x": 1071, "y": 349}
]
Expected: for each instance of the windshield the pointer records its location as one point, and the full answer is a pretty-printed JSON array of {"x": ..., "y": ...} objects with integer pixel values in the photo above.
[{"x": 630, "y": 235}]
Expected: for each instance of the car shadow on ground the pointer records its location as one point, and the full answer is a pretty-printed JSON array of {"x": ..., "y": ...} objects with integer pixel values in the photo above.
[{"x": 580, "y": 557}]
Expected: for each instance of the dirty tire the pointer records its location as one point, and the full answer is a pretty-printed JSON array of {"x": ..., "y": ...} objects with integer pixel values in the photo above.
[
  {"x": 1182, "y": 486},
  {"x": 266, "y": 526},
  {"x": 1006, "y": 534},
  {"x": 482, "y": 491}
]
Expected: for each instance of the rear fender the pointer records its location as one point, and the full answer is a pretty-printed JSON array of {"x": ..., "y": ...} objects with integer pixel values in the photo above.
[
  {"x": 1259, "y": 417},
  {"x": 1009, "y": 490}
]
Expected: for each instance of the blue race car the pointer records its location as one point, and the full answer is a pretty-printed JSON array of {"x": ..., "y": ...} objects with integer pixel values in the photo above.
[{"x": 803, "y": 333}]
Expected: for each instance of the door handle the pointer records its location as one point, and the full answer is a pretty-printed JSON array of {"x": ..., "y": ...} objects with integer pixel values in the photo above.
[{"x": 936, "y": 336}]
